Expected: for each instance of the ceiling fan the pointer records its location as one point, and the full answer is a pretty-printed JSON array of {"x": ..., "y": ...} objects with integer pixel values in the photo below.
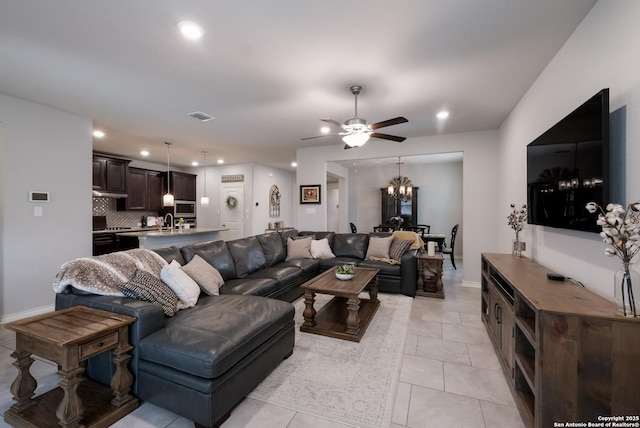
[{"x": 356, "y": 131}]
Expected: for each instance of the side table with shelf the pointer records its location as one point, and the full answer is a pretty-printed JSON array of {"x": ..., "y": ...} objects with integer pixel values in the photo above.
[
  {"x": 430, "y": 275},
  {"x": 566, "y": 353},
  {"x": 69, "y": 337}
]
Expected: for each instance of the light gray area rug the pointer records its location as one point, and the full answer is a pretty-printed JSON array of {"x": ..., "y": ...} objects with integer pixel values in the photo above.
[{"x": 348, "y": 382}]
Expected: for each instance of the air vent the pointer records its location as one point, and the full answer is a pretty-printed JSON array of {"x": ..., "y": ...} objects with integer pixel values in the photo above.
[{"x": 201, "y": 116}]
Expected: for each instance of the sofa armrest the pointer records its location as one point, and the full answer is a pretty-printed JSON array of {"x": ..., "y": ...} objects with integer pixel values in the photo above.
[
  {"x": 409, "y": 268},
  {"x": 149, "y": 317}
]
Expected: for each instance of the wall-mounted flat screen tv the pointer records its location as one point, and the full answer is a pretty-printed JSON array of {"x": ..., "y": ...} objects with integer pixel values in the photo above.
[{"x": 568, "y": 166}]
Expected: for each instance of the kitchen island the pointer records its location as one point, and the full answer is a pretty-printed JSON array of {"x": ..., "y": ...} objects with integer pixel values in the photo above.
[{"x": 151, "y": 239}]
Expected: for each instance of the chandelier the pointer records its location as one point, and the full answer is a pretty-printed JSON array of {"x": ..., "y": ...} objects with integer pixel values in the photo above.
[{"x": 400, "y": 187}]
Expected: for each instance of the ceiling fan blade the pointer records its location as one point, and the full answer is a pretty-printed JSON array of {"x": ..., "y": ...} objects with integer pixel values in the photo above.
[
  {"x": 334, "y": 123},
  {"x": 389, "y": 122},
  {"x": 317, "y": 136},
  {"x": 325, "y": 135},
  {"x": 388, "y": 137}
]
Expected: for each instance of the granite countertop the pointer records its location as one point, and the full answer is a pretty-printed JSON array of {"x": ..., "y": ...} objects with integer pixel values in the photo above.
[{"x": 167, "y": 233}]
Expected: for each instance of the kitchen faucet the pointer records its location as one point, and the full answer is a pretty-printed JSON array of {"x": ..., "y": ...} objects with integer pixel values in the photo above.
[{"x": 171, "y": 226}]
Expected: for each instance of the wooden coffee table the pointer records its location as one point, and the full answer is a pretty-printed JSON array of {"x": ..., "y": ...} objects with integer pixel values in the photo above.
[
  {"x": 69, "y": 337},
  {"x": 346, "y": 316}
]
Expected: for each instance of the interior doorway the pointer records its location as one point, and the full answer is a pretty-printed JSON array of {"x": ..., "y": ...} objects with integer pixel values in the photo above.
[{"x": 232, "y": 216}]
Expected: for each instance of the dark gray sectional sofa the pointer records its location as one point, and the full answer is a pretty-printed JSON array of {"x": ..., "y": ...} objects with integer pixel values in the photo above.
[{"x": 204, "y": 360}]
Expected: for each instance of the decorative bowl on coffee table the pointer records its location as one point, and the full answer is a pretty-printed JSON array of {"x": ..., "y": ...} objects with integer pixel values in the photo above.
[{"x": 344, "y": 276}]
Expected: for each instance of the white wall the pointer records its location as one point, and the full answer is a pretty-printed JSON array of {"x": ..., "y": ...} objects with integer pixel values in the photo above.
[
  {"x": 479, "y": 178},
  {"x": 602, "y": 53},
  {"x": 46, "y": 150},
  {"x": 263, "y": 178},
  {"x": 439, "y": 195},
  {"x": 257, "y": 182}
]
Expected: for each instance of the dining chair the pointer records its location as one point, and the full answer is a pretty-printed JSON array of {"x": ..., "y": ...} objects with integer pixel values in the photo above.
[
  {"x": 426, "y": 227},
  {"x": 449, "y": 250}
]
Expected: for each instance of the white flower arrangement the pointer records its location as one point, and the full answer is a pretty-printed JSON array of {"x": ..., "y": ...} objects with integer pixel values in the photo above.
[
  {"x": 396, "y": 220},
  {"x": 517, "y": 218},
  {"x": 620, "y": 229}
]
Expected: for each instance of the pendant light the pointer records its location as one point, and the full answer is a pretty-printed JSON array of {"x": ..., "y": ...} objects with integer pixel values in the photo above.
[
  {"x": 400, "y": 187},
  {"x": 204, "y": 200},
  {"x": 167, "y": 199}
]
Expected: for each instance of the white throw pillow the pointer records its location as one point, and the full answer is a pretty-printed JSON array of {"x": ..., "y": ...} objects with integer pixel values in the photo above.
[
  {"x": 379, "y": 247},
  {"x": 320, "y": 249},
  {"x": 185, "y": 288},
  {"x": 299, "y": 248},
  {"x": 207, "y": 277}
]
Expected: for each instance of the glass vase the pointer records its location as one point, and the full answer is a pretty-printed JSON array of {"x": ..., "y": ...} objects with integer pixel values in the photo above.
[
  {"x": 518, "y": 246},
  {"x": 626, "y": 287}
]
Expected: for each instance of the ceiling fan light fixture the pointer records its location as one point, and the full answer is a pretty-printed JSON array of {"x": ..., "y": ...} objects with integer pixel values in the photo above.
[
  {"x": 190, "y": 30},
  {"x": 355, "y": 140}
]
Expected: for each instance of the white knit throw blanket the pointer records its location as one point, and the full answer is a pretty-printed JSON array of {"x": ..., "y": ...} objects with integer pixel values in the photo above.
[{"x": 105, "y": 274}]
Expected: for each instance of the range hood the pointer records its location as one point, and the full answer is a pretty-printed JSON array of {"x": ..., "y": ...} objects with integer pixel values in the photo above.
[{"x": 103, "y": 194}]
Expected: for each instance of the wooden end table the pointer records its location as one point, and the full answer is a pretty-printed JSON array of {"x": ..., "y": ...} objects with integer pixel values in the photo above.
[
  {"x": 346, "y": 316},
  {"x": 430, "y": 275},
  {"x": 69, "y": 337}
]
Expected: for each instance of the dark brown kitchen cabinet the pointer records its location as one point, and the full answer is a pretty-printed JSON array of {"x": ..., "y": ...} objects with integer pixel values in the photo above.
[
  {"x": 110, "y": 174},
  {"x": 144, "y": 190},
  {"x": 183, "y": 186}
]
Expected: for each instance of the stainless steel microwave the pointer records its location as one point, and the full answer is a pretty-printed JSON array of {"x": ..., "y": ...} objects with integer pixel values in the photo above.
[{"x": 184, "y": 209}]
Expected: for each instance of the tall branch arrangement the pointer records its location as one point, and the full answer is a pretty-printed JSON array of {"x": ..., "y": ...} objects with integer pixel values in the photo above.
[{"x": 620, "y": 229}]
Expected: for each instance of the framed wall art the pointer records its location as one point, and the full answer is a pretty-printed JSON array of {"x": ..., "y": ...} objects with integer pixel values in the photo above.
[{"x": 310, "y": 194}]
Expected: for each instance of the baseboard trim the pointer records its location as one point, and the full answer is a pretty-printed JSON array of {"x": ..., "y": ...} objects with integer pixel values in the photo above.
[
  {"x": 471, "y": 284},
  {"x": 20, "y": 315}
]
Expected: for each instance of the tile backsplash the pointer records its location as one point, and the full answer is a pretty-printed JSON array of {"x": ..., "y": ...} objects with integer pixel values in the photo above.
[{"x": 107, "y": 207}]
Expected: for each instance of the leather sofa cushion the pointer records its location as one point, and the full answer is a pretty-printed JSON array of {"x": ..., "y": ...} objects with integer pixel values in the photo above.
[
  {"x": 272, "y": 247},
  {"x": 350, "y": 245},
  {"x": 329, "y": 263},
  {"x": 170, "y": 254},
  {"x": 285, "y": 276},
  {"x": 319, "y": 235},
  {"x": 307, "y": 265},
  {"x": 214, "y": 252},
  {"x": 247, "y": 254},
  {"x": 288, "y": 234},
  {"x": 384, "y": 267},
  {"x": 210, "y": 338},
  {"x": 248, "y": 285}
]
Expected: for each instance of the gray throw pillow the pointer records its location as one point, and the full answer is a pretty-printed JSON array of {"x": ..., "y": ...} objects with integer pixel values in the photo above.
[
  {"x": 207, "y": 277},
  {"x": 144, "y": 286},
  {"x": 399, "y": 247},
  {"x": 299, "y": 248},
  {"x": 379, "y": 247}
]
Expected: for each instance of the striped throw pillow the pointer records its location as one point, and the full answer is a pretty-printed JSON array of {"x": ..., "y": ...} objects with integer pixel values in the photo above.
[{"x": 144, "y": 286}]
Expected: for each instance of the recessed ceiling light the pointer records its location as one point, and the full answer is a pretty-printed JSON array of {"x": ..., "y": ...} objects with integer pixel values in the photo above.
[
  {"x": 294, "y": 164},
  {"x": 190, "y": 30},
  {"x": 220, "y": 161},
  {"x": 442, "y": 114},
  {"x": 194, "y": 163},
  {"x": 144, "y": 153},
  {"x": 325, "y": 129},
  {"x": 98, "y": 134}
]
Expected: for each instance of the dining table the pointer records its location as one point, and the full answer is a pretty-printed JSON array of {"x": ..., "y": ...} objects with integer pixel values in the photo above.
[{"x": 439, "y": 239}]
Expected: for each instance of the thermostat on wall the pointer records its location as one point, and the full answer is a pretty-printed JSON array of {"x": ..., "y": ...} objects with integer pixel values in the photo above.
[{"x": 39, "y": 196}]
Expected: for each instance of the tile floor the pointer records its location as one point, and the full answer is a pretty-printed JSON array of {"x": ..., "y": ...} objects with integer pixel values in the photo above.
[{"x": 450, "y": 375}]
